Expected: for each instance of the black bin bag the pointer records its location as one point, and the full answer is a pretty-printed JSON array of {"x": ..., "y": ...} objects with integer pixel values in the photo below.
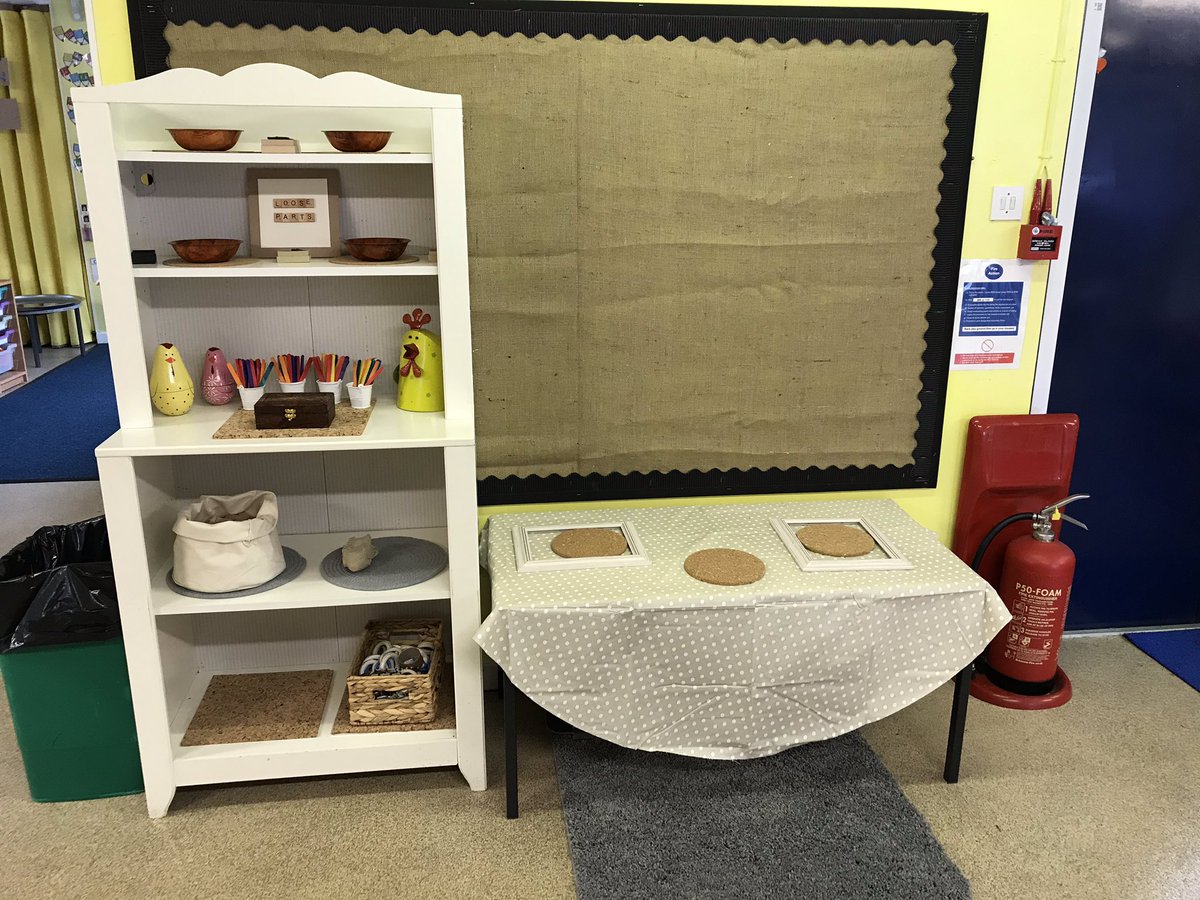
[{"x": 57, "y": 587}]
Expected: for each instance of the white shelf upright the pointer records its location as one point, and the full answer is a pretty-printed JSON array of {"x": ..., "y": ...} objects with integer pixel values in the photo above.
[{"x": 408, "y": 473}]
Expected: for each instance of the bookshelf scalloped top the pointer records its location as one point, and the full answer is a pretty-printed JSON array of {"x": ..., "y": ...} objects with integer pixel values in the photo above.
[{"x": 267, "y": 84}]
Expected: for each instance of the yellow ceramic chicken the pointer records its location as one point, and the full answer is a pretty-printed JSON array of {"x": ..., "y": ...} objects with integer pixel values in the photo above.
[
  {"x": 171, "y": 388},
  {"x": 420, "y": 374}
]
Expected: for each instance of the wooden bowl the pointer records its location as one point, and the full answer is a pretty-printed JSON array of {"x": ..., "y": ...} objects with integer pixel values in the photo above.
[
  {"x": 210, "y": 139},
  {"x": 377, "y": 249},
  {"x": 206, "y": 250},
  {"x": 358, "y": 141}
]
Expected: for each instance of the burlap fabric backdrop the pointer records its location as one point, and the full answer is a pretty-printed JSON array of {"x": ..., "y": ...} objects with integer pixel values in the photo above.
[{"x": 684, "y": 254}]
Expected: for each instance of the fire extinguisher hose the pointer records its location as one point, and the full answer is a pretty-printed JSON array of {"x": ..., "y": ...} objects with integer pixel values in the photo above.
[{"x": 991, "y": 536}]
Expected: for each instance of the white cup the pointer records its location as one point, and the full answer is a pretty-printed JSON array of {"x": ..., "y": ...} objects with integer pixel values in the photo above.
[
  {"x": 360, "y": 395},
  {"x": 291, "y": 387},
  {"x": 331, "y": 387},
  {"x": 250, "y": 396}
]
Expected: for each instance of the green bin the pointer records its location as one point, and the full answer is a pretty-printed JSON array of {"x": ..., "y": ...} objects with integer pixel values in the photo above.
[{"x": 73, "y": 717}]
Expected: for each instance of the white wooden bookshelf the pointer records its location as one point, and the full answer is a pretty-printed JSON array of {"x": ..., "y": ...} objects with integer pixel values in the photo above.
[{"x": 407, "y": 474}]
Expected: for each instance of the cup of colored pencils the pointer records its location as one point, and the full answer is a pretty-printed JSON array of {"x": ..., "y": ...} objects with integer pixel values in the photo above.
[
  {"x": 365, "y": 373},
  {"x": 251, "y": 376},
  {"x": 330, "y": 369},
  {"x": 292, "y": 371}
]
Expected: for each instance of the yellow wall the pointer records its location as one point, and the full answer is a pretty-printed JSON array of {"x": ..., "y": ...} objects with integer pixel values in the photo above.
[{"x": 1024, "y": 110}]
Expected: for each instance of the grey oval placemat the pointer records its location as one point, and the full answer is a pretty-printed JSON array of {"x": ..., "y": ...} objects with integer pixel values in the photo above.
[
  {"x": 402, "y": 562},
  {"x": 293, "y": 565}
]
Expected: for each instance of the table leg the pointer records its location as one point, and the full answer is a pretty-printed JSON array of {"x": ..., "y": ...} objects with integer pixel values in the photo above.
[
  {"x": 35, "y": 340},
  {"x": 510, "y": 745},
  {"x": 79, "y": 329},
  {"x": 958, "y": 723}
]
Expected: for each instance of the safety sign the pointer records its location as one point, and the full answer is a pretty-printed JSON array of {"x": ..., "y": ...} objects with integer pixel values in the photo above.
[{"x": 989, "y": 320}]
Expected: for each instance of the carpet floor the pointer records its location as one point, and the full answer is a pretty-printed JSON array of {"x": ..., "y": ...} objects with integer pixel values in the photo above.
[
  {"x": 55, "y": 423},
  {"x": 818, "y": 821},
  {"x": 1177, "y": 651}
]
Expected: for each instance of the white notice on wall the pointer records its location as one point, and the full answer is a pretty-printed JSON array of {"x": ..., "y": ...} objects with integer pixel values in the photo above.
[{"x": 989, "y": 321}]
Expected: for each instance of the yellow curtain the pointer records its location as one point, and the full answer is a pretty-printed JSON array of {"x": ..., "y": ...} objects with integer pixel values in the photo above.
[{"x": 39, "y": 231}]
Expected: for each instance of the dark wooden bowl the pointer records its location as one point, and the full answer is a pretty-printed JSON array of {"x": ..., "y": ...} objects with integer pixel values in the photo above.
[
  {"x": 358, "y": 141},
  {"x": 377, "y": 249},
  {"x": 206, "y": 250},
  {"x": 210, "y": 139}
]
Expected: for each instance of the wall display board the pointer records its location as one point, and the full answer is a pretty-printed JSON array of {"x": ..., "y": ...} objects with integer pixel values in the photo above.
[{"x": 714, "y": 250}]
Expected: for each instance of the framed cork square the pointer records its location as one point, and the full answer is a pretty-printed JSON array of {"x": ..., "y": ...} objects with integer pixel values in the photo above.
[
  {"x": 293, "y": 209},
  {"x": 838, "y": 545},
  {"x": 560, "y": 548}
]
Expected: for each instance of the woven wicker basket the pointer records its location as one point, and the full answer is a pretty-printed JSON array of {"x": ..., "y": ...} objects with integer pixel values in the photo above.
[{"x": 396, "y": 699}]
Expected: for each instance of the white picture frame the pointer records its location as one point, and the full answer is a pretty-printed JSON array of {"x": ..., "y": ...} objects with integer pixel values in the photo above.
[
  {"x": 811, "y": 562},
  {"x": 526, "y": 562},
  {"x": 294, "y": 209}
]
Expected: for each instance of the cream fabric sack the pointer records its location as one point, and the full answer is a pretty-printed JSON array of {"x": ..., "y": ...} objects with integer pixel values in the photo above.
[{"x": 228, "y": 543}]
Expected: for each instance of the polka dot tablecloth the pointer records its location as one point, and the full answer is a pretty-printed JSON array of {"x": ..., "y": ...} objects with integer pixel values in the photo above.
[{"x": 649, "y": 658}]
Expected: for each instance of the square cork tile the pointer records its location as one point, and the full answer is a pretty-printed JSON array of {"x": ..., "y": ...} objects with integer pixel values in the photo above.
[{"x": 260, "y": 706}]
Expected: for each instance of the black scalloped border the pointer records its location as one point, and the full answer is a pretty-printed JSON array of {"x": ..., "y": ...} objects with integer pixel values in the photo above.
[{"x": 966, "y": 31}]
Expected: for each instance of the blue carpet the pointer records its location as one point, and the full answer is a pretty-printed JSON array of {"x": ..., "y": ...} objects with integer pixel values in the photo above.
[
  {"x": 1178, "y": 651},
  {"x": 53, "y": 425}
]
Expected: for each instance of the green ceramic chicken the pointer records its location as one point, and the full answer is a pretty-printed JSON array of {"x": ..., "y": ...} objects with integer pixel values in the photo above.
[
  {"x": 171, "y": 388},
  {"x": 420, "y": 374}
]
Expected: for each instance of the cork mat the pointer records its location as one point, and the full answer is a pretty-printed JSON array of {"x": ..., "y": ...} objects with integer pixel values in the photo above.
[
  {"x": 443, "y": 719},
  {"x": 351, "y": 261},
  {"x": 724, "y": 566},
  {"x": 619, "y": 317},
  {"x": 176, "y": 262},
  {"x": 836, "y": 540},
  {"x": 347, "y": 422},
  {"x": 586, "y": 542},
  {"x": 266, "y": 706}
]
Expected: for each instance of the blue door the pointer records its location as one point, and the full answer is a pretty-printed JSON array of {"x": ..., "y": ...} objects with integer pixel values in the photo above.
[{"x": 1128, "y": 358}]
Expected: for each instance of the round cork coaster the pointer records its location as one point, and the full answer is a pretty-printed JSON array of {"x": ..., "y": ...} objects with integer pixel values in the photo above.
[
  {"x": 724, "y": 566},
  {"x": 836, "y": 540},
  {"x": 578, "y": 542},
  {"x": 351, "y": 261},
  {"x": 184, "y": 264}
]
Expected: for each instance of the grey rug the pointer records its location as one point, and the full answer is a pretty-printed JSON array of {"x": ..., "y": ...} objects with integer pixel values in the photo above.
[
  {"x": 824, "y": 821},
  {"x": 293, "y": 565},
  {"x": 402, "y": 561}
]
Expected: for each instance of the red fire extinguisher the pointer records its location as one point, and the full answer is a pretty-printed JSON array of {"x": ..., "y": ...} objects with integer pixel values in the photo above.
[{"x": 1035, "y": 585}]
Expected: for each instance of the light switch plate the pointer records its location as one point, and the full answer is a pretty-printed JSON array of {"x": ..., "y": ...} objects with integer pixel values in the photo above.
[{"x": 1008, "y": 204}]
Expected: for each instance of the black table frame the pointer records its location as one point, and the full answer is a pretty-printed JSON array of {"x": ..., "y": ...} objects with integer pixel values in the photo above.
[
  {"x": 509, "y": 691},
  {"x": 37, "y": 305}
]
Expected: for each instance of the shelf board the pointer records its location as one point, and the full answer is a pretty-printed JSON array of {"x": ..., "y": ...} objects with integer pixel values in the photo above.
[
  {"x": 12, "y": 379},
  {"x": 192, "y": 433},
  {"x": 325, "y": 754},
  {"x": 308, "y": 590},
  {"x": 254, "y": 158},
  {"x": 269, "y": 268}
]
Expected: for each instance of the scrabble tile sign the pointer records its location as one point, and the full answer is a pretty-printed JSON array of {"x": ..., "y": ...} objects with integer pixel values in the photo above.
[{"x": 293, "y": 210}]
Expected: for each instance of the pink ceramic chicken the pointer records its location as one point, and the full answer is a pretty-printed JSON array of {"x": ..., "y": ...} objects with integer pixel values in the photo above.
[{"x": 216, "y": 384}]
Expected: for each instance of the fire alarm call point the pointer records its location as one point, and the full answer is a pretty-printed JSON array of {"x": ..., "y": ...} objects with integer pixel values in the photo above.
[{"x": 1040, "y": 239}]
